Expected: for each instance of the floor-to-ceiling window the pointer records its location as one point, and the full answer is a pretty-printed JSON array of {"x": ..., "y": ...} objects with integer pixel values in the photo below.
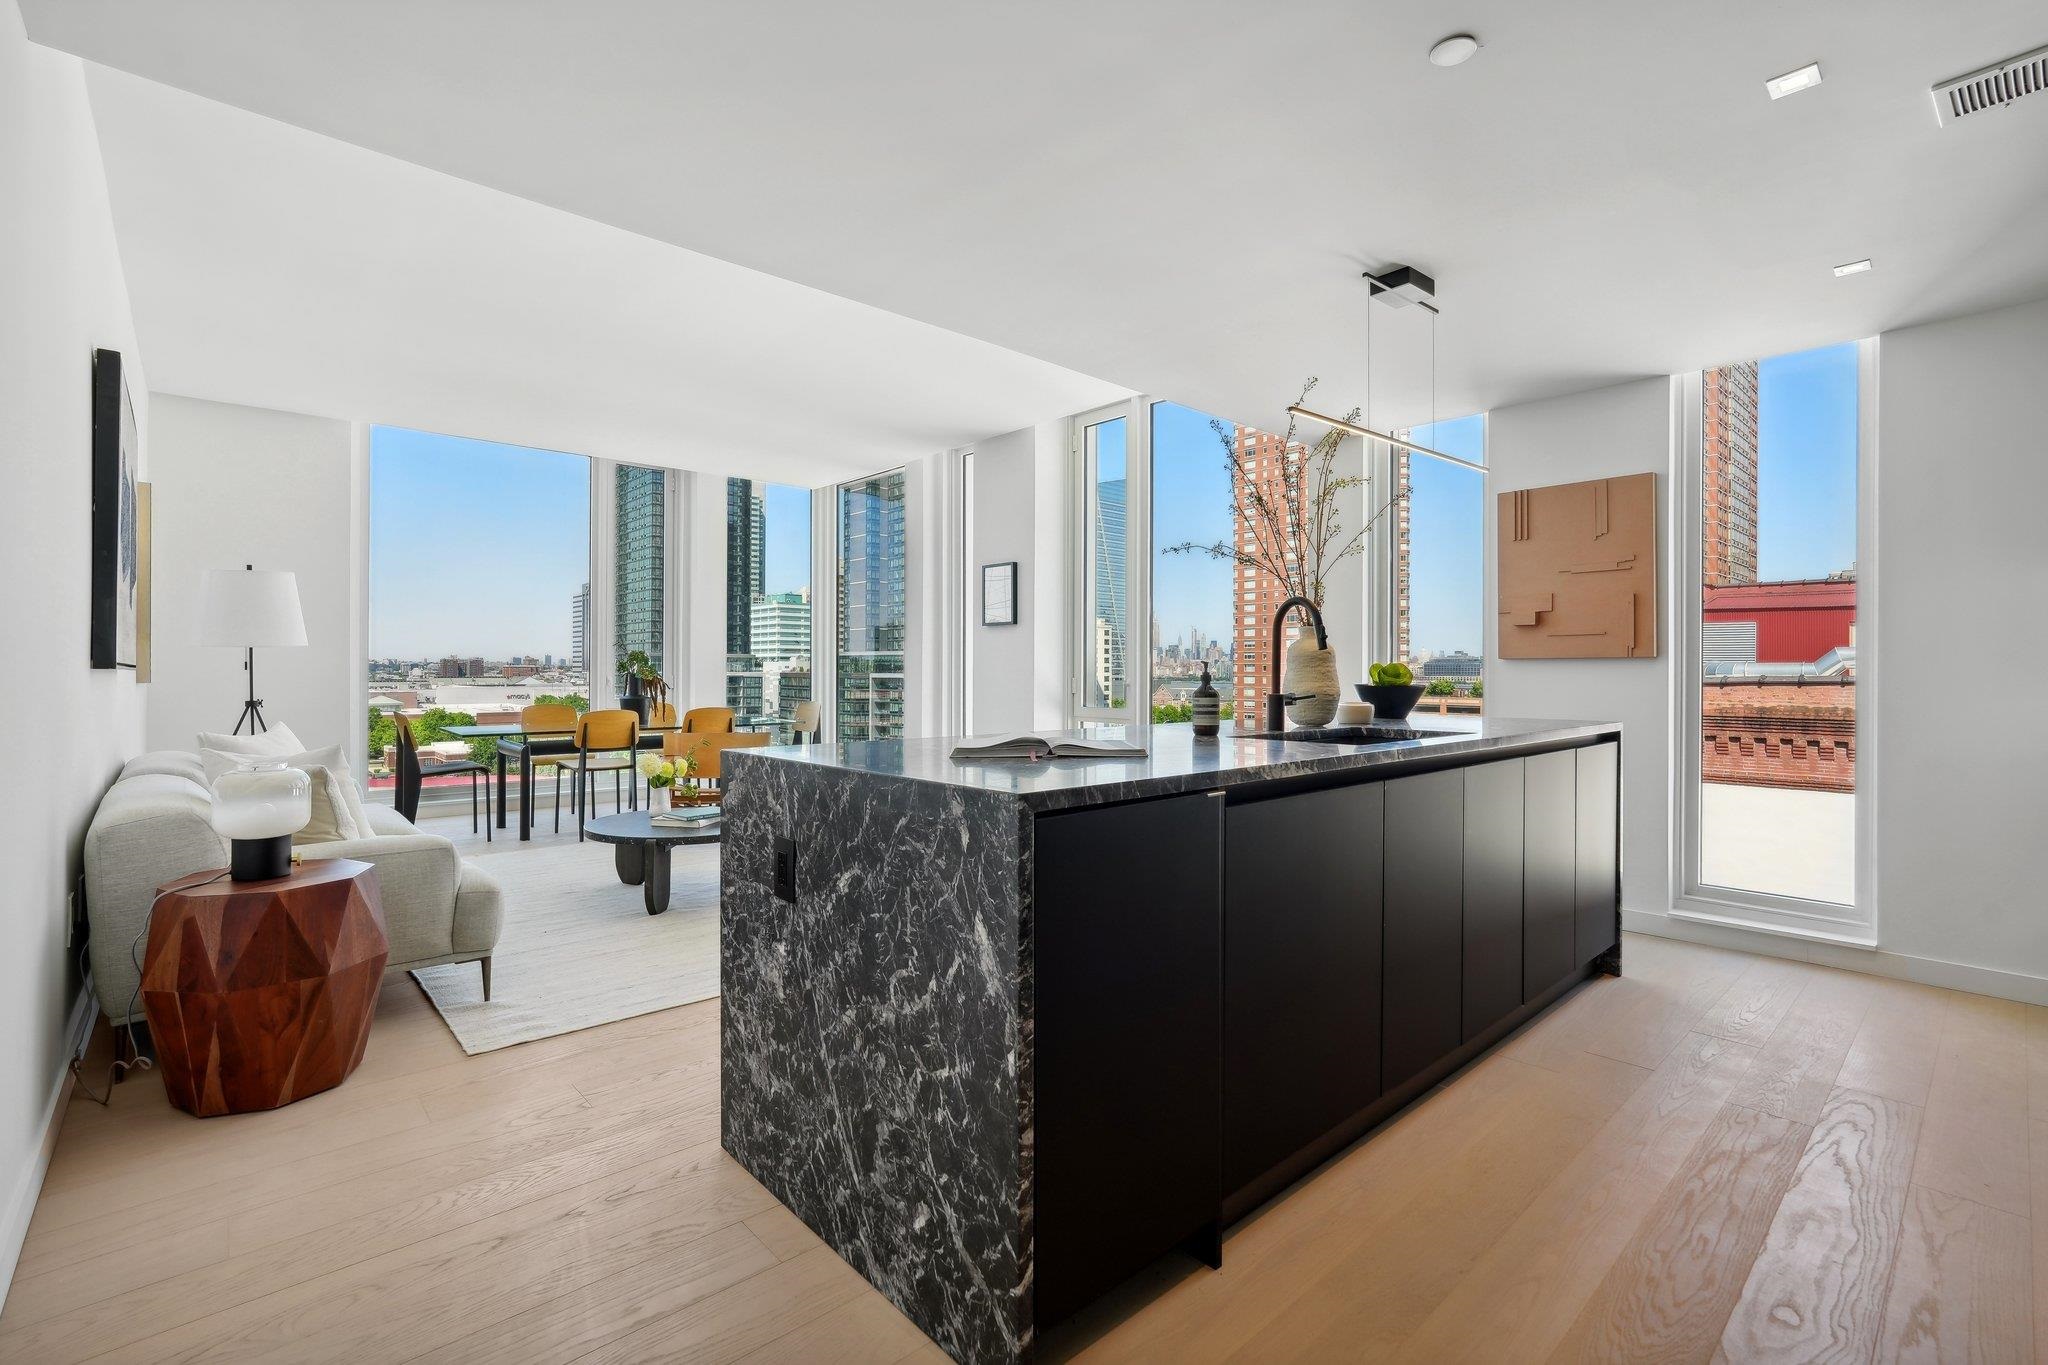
[
  {"x": 871, "y": 611},
  {"x": 1195, "y": 618},
  {"x": 1436, "y": 562},
  {"x": 767, "y": 603},
  {"x": 1772, "y": 790},
  {"x": 479, "y": 589}
]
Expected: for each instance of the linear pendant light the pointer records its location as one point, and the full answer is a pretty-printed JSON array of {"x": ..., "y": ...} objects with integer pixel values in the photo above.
[{"x": 1369, "y": 434}]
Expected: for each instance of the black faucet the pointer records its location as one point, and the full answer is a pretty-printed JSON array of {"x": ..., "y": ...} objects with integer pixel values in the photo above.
[{"x": 1276, "y": 700}]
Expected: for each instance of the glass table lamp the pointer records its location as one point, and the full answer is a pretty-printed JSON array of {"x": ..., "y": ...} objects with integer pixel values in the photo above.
[{"x": 257, "y": 808}]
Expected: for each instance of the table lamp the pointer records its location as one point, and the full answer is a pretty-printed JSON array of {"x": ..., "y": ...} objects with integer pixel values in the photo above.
[
  {"x": 246, "y": 607},
  {"x": 257, "y": 808}
]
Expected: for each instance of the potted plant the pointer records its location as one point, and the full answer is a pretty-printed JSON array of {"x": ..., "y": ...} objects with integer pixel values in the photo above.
[
  {"x": 1393, "y": 690},
  {"x": 662, "y": 774},
  {"x": 641, "y": 683},
  {"x": 1297, "y": 538}
]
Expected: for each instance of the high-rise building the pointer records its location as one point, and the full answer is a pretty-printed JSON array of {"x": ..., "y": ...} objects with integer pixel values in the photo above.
[
  {"x": 1730, "y": 476},
  {"x": 1112, "y": 592},
  {"x": 872, "y": 583},
  {"x": 781, "y": 626},
  {"x": 640, "y": 559},
  {"x": 579, "y": 629},
  {"x": 1402, "y": 526},
  {"x": 1257, "y": 594},
  {"x": 746, "y": 560}
]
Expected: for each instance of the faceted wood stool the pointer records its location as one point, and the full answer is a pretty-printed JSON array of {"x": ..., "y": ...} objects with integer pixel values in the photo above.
[{"x": 261, "y": 993}]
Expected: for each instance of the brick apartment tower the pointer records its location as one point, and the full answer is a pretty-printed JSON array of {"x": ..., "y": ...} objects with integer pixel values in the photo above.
[
  {"x": 1729, "y": 548},
  {"x": 1398, "y": 524},
  {"x": 1258, "y": 595}
]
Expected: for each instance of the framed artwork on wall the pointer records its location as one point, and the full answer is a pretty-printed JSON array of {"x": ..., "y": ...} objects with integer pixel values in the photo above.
[
  {"x": 999, "y": 594},
  {"x": 116, "y": 517}
]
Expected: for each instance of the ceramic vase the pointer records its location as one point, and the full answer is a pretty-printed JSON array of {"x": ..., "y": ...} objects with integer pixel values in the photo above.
[{"x": 1313, "y": 671}]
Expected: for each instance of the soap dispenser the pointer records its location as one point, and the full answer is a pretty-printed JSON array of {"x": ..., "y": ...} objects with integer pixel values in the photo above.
[{"x": 1208, "y": 708}]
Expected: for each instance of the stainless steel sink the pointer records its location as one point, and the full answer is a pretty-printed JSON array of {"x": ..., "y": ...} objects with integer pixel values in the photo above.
[{"x": 1351, "y": 734}]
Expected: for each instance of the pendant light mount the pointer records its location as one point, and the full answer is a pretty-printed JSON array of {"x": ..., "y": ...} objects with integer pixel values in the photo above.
[{"x": 1401, "y": 286}]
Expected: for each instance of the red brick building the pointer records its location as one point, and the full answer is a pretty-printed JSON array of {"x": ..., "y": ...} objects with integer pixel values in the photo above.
[
  {"x": 1771, "y": 732},
  {"x": 1257, "y": 595}
]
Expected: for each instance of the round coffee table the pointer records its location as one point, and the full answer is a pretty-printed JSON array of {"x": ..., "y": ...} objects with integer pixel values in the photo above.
[{"x": 642, "y": 848}]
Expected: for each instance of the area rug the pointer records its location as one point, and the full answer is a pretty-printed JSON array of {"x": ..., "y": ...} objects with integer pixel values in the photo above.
[{"x": 579, "y": 949}]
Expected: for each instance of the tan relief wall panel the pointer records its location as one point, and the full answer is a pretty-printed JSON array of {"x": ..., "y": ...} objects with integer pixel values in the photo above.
[{"x": 1578, "y": 570}]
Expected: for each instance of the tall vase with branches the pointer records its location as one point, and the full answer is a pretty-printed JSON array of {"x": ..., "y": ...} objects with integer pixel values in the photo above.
[{"x": 1294, "y": 520}]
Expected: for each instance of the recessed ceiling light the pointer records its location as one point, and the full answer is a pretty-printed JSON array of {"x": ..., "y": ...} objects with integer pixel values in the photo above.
[
  {"x": 1853, "y": 268},
  {"x": 1792, "y": 82},
  {"x": 1453, "y": 50}
]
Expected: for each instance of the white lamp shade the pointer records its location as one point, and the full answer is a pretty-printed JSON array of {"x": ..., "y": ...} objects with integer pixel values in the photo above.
[{"x": 245, "y": 607}]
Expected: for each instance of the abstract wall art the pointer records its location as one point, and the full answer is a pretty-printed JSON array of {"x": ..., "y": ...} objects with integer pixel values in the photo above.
[{"x": 1577, "y": 567}]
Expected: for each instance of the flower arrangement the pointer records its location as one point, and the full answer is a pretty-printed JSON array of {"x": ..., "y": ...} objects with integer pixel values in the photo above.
[{"x": 663, "y": 772}]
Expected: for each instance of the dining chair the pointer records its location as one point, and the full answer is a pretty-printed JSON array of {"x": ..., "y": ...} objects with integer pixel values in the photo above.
[
  {"x": 544, "y": 718},
  {"x": 605, "y": 742},
  {"x": 708, "y": 720},
  {"x": 807, "y": 721},
  {"x": 413, "y": 772}
]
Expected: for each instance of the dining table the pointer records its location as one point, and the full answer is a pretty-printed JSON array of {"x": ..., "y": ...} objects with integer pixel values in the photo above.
[{"x": 517, "y": 743}]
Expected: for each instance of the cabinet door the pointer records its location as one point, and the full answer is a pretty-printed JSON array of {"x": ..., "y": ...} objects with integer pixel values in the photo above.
[
  {"x": 1599, "y": 856},
  {"x": 1301, "y": 972},
  {"x": 1422, "y": 1020},
  {"x": 1549, "y": 871},
  {"x": 1493, "y": 894},
  {"x": 1127, "y": 910}
]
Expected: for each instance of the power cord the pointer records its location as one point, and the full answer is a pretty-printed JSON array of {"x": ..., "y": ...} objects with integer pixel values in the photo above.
[{"x": 141, "y": 1063}]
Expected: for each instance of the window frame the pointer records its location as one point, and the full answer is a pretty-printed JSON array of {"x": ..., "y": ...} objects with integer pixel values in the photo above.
[
  {"x": 1854, "y": 925},
  {"x": 1136, "y": 411},
  {"x": 831, "y": 498}
]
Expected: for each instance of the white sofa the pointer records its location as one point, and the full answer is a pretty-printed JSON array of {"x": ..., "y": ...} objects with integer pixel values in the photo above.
[{"x": 153, "y": 826}]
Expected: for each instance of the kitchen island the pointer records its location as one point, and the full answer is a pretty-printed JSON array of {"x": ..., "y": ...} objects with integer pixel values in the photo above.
[{"x": 1005, "y": 1033}]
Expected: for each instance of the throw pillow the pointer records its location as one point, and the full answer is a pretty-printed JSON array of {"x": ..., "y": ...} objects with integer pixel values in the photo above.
[
  {"x": 331, "y": 819},
  {"x": 331, "y": 758},
  {"x": 275, "y": 742}
]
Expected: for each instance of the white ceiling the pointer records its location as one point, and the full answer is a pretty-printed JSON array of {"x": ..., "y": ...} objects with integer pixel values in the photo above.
[
  {"x": 273, "y": 266},
  {"x": 1178, "y": 197}
]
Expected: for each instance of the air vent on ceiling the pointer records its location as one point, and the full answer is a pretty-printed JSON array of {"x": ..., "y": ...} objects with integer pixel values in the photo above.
[{"x": 1992, "y": 88}]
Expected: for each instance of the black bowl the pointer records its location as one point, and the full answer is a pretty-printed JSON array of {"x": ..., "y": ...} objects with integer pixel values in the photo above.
[{"x": 1389, "y": 702}]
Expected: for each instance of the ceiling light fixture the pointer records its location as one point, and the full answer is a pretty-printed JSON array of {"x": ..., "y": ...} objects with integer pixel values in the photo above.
[
  {"x": 1297, "y": 410},
  {"x": 1853, "y": 268},
  {"x": 1457, "y": 48},
  {"x": 1792, "y": 82}
]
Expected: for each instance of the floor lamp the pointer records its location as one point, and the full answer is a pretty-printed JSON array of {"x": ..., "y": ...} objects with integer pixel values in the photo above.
[{"x": 246, "y": 607}]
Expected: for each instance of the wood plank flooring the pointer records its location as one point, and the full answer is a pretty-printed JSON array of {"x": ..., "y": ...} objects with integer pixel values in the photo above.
[{"x": 1716, "y": 1157}]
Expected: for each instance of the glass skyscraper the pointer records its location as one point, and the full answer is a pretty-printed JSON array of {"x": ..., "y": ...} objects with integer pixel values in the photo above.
[
  {"x": 640, "y": 578},
  {"x": 872, "y": 585},
  {"x": 746, "y": 561},
  {"x": 1112, "y": 591}
]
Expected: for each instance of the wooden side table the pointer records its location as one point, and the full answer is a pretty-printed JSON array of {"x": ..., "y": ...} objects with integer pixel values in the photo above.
[{"x": 261, "y": 993}]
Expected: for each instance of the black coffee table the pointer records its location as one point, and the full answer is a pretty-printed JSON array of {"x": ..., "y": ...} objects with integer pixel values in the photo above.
[{"x": 641, "y": 850}]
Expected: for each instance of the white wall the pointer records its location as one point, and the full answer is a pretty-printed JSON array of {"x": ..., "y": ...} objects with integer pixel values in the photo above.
[
  {"x": 1963, "y": 787},
  {"x": 1019, "y": 512},
  {"x": 69, "y": 726},
  {"x": 1624, "y": 429},
  {"x": 279, "y": 490}
]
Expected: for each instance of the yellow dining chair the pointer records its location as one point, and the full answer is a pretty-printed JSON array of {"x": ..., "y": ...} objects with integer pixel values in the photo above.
[
  {"x": 708, "y": 720},
  {"x": 605, "y": 742},
  {"x": 540, "y": 719}
]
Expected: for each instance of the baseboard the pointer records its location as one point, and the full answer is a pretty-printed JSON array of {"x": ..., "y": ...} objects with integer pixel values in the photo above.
[
  {"x": 28, "y": 1186},
  {"x": 1955, "y": 976}
]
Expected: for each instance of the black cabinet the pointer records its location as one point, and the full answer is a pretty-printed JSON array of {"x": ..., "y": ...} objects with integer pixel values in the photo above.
[
  {"x": 1128, "y": 933},
  {"x": 1302, "y": 972},
  {"x": 1421, "y": 1017},
  {"x": 1493, "y": 894},
  {"x": 1598, "y": 850},
  {"x": 1549, "y": 871}
]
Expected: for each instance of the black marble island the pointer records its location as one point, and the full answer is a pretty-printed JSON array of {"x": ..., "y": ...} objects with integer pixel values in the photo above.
[{"x": 1005, "y": 1033}]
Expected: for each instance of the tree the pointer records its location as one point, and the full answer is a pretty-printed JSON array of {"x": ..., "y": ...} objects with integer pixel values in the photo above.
[
  {"x": 1175, "y": 712},
  {"x": 1479, "y": 687},
  {"x": 1440, "y": 687},
  {"x": 432, "y": 728},
  {"x": 383, "y": 734},
  {"x": 575, "y": 700}
]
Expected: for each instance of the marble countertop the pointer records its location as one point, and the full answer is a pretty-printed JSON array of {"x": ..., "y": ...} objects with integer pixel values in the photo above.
[{"x": 1177, "y": 762}]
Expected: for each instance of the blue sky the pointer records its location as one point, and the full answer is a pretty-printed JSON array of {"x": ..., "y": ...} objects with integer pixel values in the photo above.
[
  {"x": 477, "y": 548},
  {"x": 1806, "y": 463}
]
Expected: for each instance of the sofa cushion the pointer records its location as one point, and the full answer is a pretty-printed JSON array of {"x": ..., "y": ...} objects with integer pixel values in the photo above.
[
  {"x": 275, "y": 742},
  {"x": 171, "y": 762},
  {"x": 331, "y": 818}
]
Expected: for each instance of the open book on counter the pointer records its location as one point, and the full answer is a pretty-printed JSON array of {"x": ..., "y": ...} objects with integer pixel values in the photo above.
[{"x": 1024, "y": 745}]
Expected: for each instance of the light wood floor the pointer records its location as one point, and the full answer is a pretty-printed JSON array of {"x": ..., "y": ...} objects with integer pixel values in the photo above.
[{"x": 1715, "y": 1157}]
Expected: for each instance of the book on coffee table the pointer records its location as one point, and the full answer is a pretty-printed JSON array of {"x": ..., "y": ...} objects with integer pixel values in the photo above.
[{"x": 685, "y": 817}]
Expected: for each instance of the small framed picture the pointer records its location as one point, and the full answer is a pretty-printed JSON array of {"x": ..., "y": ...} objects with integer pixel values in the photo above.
[{"x": 999, "y": 594}]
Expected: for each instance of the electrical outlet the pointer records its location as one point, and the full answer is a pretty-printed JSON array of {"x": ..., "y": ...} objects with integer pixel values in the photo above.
[
  {"x": 785, "y": 870},
  {"x": 70, "y": 919}
]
